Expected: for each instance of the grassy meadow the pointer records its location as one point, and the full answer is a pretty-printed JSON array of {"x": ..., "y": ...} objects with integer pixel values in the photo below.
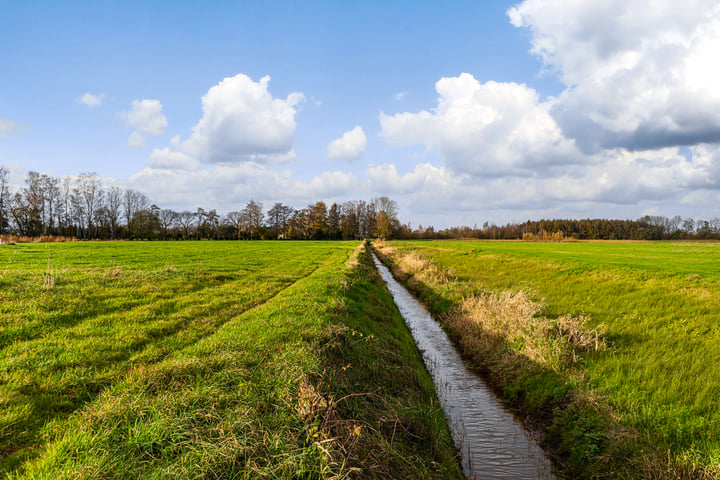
[
  {"x": 210, "y": 360},
  {"x": 610, "y": 348}
]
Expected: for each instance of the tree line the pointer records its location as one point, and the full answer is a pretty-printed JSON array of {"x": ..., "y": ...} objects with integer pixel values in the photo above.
[
  {"x": 645, "y": 228},
  {"x": 83, "y": 207}
]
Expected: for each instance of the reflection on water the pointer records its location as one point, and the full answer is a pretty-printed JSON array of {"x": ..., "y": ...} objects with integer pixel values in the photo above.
[{"x": 493, "y": 443}]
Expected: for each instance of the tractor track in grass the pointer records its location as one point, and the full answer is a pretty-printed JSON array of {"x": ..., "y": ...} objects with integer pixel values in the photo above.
[{"x": 36, "y": 361}]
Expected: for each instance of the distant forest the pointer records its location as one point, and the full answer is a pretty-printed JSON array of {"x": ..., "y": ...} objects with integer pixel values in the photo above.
[
  {"x": 83, "y": 207},
  {"x": 645, "y": 228}
]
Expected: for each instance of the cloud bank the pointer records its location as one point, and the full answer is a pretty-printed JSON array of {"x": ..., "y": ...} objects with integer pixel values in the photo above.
[{"x": 639, "y": 76}]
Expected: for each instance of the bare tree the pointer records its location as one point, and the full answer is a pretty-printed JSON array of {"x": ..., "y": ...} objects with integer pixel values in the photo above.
[
  {"x": 133, "y": 202},
  {"x": 4, "y": 199},
  {"x": 208, "y": 223},
  {"x": 78, "y": 211},
  {"x": 238, "y": 220},
  {"x": 278, "y": 217},
  {"x": 186, "y": 219},
  {"x": 51, "y": 192},
  {"x": 334, "y": 221},
  {"x": 91, "y": 192},
  {"x": 33, "y": 199},
  {"x": 167, "y": 219},
  {"x": 254, "y": 216},
  {"x": 113, "y": 204}
]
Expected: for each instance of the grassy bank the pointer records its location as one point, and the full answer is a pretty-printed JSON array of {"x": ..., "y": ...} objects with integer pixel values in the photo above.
[
  {"x": 210, "y": 360},
  {"x": 608, "y": 347}
]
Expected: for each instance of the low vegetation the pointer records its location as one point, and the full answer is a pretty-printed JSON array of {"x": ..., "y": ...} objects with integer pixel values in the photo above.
[
  {"x": 606, "y": 348},
  {"x": 210, "y": 360}
]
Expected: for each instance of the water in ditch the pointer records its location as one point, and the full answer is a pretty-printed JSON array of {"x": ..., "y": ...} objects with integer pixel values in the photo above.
[{"x": 493, "y": 443}]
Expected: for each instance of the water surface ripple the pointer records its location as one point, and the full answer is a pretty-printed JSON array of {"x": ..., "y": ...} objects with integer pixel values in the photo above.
[{"x": 494, "y": 444}]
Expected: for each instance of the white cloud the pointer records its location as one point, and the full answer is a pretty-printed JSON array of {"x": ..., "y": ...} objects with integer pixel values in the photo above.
[
  {"x": 243, "y": 122},
  {"x": 484, "y": 129},
  {"x": 135, "y": 140},
  {"x": 167, "y": 159},
  {"x": 424, "y": 180},
  {"x": 400, "y": 96},
  {"x": 228, "y": 187},
  {"x": 617, "y": 183},
  {"x": 350, "y": 146},
  {"x": 91, "y": 100},
  {"x": 8, "y": 127},
  {"x": 243, "y": 128},
  {"x": 146, "y": 116},
  {"x": 640, "y": 75}
]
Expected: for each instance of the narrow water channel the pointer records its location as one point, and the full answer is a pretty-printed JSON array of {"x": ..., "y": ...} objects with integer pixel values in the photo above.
[{"x": 494, "y": 444}]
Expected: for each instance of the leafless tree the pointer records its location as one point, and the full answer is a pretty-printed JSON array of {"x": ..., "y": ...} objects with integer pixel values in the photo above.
[
  {"x": 186, "y": 219},
  {"x": 278, "y": 217},
  {"x": 91, "y": 192},
  {"x": 167, "y": 219},
  {"x": 4, "y": 199},
  {"x": 133, "y": 202},
  {"x": 113, "y": 205}
]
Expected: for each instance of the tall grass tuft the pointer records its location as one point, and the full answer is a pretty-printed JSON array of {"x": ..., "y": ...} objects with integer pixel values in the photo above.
[{"x": 509, "y": 320}]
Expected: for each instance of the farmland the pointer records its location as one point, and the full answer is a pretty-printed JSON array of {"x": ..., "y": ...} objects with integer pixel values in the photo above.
[
  {"x": 209, "y": 360},
  {"x": 632, "y": 391}
]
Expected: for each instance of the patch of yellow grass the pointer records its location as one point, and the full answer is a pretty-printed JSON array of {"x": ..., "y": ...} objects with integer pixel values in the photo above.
[{"x": 509, "y": 320}]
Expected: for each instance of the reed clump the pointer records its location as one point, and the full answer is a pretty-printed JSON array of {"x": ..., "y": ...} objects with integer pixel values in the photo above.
[{"x": 509, "y": 323}]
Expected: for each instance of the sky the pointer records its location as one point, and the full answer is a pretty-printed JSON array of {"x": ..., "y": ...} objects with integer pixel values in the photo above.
[{"x": 461, "y": 111}]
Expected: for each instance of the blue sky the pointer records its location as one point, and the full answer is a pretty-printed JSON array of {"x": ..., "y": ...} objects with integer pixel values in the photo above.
[{"x": 467, "y": 111}]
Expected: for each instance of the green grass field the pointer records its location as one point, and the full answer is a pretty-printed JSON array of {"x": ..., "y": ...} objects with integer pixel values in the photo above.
[
  {"x": 209, "y": 360},
  {"x": 658, "y": 382}
]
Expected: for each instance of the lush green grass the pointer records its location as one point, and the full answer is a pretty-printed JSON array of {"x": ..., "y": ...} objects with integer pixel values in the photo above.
[
  {"x": 209, "y": 360},
  {"x": 659, "y": 303}
]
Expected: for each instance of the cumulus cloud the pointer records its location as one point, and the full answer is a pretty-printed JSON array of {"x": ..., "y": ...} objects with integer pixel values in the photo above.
[
  {"x": 91, "y": 100},
  {"x": 616, "y": 183},
  {"x": 8, "y": 127},
  {"x": 424, "y": 179},
  {"x": 229, "y": 186},
  {"x": 350, "y": 146},
  {"x": 639, "y": 75},
  {"x": 135, "y": 140},
  {"x": 400, "y": 96},
  {"x": 146, "y": 116},
  {"x": 164, "y": 158},
  {"x": 484, "y": 129},
  {"x": 243, "y": 122}
]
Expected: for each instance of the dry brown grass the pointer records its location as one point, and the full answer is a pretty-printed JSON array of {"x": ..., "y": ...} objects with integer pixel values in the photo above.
[
  {"x": 413, "y": 265},
  {"x": 49, "y": 280},
  {"x": 496, "y": 321},
  {"x": 509, "y": 320},
  {"x": 14, "y": 239}
]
